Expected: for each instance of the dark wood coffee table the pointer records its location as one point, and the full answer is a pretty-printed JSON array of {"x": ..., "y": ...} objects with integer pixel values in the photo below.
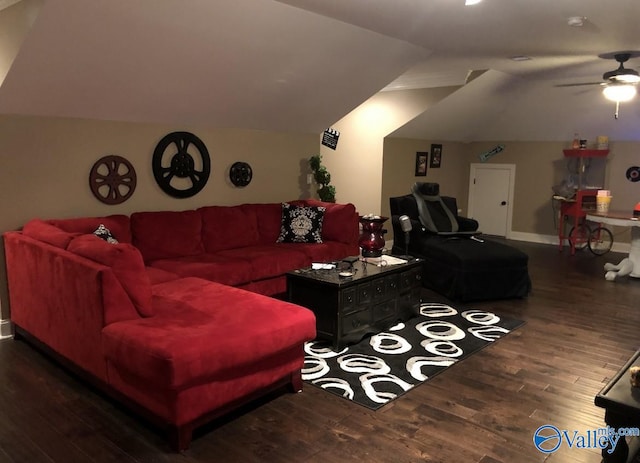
[
  {"x": 350, "y": 308},
  {"x": 621, "y": 402}
]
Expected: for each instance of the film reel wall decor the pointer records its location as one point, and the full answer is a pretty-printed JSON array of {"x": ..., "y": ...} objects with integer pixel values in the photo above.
[
  {"x": 112, "y": 179},
  {"x": 240, "y": 174},
  {"x": 181, "y": 164},
  {"x": 633, "y": 174}
]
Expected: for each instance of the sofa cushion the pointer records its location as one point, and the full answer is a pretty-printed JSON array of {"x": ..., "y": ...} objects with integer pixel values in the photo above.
[
  {"x": 301, "y": 224},
  {"x": 125, "y": 262},
  {"x": 268, "y": 260},
  {"x": 44, "y": 231},
  {"x": 322, "y": 252},
  {"x": 214, "y": 267},
  {"x": 228, "y": 227},
  {"x": 162, "y": 235},
  {"x": 118, "y": 225},
  {"x": 468, "y": 270},
  {"x": 269, "y": 287},
  {"x": 269, "y": 218},
  {"x": 157, "y": 275},
  {"x": 204, "y": 331},
  {"x": 340, "y": 221},
  {"x": 467, "y": 254}
]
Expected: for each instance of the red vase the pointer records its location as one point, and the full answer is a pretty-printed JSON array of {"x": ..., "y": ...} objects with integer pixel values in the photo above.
[{"x": 371, "y": 239}]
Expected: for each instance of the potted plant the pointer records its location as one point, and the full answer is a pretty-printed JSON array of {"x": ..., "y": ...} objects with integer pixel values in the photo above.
[{"x": 321, "y": 175}]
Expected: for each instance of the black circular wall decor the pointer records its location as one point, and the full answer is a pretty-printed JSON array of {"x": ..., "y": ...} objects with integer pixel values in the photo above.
[
  {"x": 633, "y": 173},
  {"x": 240, "y": 173},
  {"x": 180, "y": 167},
  {"x": 112, "y": 179}
]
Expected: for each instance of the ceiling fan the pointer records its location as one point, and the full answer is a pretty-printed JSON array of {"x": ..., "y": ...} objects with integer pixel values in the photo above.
[
  {"x": 617, "y": 76},
  {"x": 619, "y": 84},
  {"x": 623, "y": 74}
]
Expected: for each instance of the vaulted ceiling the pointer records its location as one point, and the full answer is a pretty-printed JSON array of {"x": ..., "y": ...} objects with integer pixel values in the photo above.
[{"x": 301, "y": 65}]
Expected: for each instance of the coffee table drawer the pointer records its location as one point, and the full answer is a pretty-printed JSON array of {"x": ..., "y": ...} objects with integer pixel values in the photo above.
[
  {"x": 392, "y": 283},
  {"x": 379, "y": 290},
  {"x": 349, "y": 301},
  {"x": 364, "y": 293},
  {"x": 410, "y": 278},
  {"x": 356, "y": 321},
  {"x": 384, "y": 310}
]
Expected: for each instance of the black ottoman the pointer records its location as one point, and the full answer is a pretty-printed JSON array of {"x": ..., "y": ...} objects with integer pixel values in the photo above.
[{"x": 464, "y": 269}]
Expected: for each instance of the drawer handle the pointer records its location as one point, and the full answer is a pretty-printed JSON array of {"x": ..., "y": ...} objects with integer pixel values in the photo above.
[
  {"x": 418, "y": 277},
  {"x": 349, "y": 299}
]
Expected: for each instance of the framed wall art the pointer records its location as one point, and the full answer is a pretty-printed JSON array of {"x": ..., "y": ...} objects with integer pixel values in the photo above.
[
  {"x": 421, "y": 163},
  {"x": 436, "y": 156}
]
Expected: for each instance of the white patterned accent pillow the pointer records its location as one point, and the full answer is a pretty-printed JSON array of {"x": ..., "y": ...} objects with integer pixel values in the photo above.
[
  {"x": 104, "y": 233},
  {"x": 301, "y": 224}
]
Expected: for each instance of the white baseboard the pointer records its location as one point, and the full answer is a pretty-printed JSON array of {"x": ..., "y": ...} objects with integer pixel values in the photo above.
[
  {"x": 533, "y": 238},
  {"x": 5, "y": 329},
  {"x": 553, "y": 239}
]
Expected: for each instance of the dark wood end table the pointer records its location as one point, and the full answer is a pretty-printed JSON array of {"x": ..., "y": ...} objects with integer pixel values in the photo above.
[
  {"x": 621, "y": 402},
  {"x": 349, "y": 308}
]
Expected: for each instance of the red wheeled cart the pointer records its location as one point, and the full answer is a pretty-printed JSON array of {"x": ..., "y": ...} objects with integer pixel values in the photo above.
[{"x": 573, "y": 212}]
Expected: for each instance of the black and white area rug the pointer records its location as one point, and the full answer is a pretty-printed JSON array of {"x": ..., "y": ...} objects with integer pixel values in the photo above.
[{"x": 384, "y": 366}]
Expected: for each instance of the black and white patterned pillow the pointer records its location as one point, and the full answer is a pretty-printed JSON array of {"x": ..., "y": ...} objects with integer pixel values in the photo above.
[
  {"x": 104, "y": 233},
  {"x": 301, "y": 224}
]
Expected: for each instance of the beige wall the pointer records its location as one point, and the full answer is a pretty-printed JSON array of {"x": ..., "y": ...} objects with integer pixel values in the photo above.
[
  {"x": 45, "y": 165},
  {"x": 356, "y": 166},
  {"x": 399, "y": 170},
  {"x": 539, "y": 166},
  {"x": 625, "y": 194}
]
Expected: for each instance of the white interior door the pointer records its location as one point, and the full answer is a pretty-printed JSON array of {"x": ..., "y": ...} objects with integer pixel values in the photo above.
[{"x": 491, "y": 197}]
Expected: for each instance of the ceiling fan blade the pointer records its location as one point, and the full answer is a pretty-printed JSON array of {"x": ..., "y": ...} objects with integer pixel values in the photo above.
[{"x": 578, "y": 85}]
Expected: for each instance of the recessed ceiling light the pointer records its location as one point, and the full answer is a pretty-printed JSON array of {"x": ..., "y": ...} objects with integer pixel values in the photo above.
[
  {"x": 520, "y": 58},
  {"x": 471, "y": 2}
]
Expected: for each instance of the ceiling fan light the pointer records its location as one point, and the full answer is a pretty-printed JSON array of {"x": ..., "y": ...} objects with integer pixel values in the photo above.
[
  {"x": 619, "y": 93},
  {"x": 628, "y": 78}
]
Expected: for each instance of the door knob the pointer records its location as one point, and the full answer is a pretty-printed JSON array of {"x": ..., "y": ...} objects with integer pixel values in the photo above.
[{"x": 503, "y": 203}]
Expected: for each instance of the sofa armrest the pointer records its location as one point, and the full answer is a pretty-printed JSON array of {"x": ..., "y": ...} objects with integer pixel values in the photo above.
[{"x": 63, "y": 300}]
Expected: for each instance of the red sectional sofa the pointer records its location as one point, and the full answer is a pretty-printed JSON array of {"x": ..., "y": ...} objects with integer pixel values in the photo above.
[{"x": 175, "y": 319}]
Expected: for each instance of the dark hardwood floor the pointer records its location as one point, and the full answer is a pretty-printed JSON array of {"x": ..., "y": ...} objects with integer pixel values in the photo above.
[{"x": 580, "y": 330}]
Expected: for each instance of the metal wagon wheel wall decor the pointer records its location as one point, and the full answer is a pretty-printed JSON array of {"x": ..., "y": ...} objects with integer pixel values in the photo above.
[
  {"x": 112, "y": 179},
  {"x": 180, "y": 169}
]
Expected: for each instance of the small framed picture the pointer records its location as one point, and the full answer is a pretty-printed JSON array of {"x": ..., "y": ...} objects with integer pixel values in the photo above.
[
  {"x": 436, "y": 156},
  {"x": 421, "y": 163}
]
